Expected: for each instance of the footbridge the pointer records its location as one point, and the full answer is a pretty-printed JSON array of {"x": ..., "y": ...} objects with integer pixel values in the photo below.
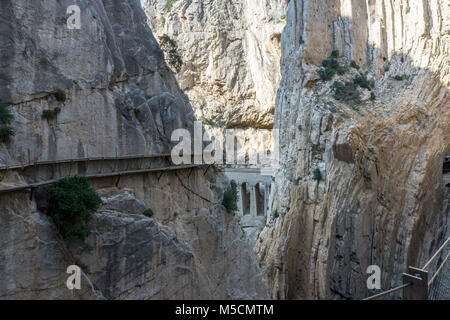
[{"x": 253, "y": 190}]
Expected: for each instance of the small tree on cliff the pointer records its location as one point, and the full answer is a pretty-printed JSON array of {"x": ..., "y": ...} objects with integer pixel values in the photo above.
[
  {"x": 71, "y": 203},
  {"x": 170, "y": 49},
  {"x": 6, "y": 118}
]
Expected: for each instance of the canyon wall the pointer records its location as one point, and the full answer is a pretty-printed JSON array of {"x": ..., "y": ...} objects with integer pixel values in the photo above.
[
  {"x": 378, "y": 198},
  {"x": 112, "y": 95},
  {"x": 231, "y": 55}
]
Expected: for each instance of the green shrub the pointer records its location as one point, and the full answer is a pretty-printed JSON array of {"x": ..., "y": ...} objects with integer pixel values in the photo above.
[
  {"x": 71, "y": 203},
  {"x": 408, "y": 9},
  {"x": 363, "y": 82},
  {"x": 330, "y": 67},
  {"x": 354, "y": 65},
  {"x": 334, "y": 54},
  {"x": 6, "y": 118},
  {"x": 169, "y": 4},
  {"x": 60, "y": 96},
  {"x": 148, "y": 213},
  {"x": 230, "y": 198},
  {"x": 347, "y": 92},
  {"x": 317, "y": 174},
  {"x": 206, "y": 121},
  {"x": 399, "y": 78},
  {"x": 137, "y": 112},
  {"x": 170, "y": 49},
  {"x": 6, "y": 133},
  {"x": 275, "y": 215},
  {"x": 51, "y": 114},
  {"x": 372, "y": 96}
]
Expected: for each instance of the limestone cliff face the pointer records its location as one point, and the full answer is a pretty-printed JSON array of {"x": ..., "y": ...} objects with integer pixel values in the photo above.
[
  {"x": 380, "y": 200},
  {"x": 231, "y": 54},
  {"x": 107, "y": 69},
  {"x": 120, "y": 99}
]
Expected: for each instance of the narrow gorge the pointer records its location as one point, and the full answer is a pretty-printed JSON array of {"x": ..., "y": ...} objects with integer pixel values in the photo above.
[{"x": 351, "y": 98}]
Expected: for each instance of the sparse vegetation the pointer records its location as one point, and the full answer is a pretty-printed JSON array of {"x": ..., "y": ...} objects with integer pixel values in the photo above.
[
  {"x": 205, "y": 120},
  {"x": 317, "y": 174},
  {"x": 354, "y": 65},
  {"x": 170, "y": 49},
  {"x": 60, "y": 96},
  {"x": 51, "y": 114},
  {"x": 330, "y": 67},
  {"x": 363, "y": 82},
  {"x": 399, "y": 78},
  {"x": 347, "y": 92},
  {"x": 169, "y": 4},
  {"x": 275, "y": 215},
  {"x": 230, "y": 198},
  {"x": 6, "y": 118},
  {"x": 71, "y": 204},
  {"x": 148, "y": 213},
  {"x": 372, "y": 96},
  {"x": 137, "y": 112},
  {"x": 6, "y": 133}
]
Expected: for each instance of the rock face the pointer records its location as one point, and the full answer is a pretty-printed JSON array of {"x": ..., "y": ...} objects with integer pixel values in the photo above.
[
  {"x": 380, "y": 200},
  {"x": 133, "y": 257},
  {"x": 231, "y": 54},
  {"x": 120, "y": 98},
  {"x": 117, "y": 97}
]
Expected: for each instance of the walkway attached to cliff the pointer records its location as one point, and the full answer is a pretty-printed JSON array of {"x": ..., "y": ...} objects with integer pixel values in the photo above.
[{"x": 42, "y": 173}]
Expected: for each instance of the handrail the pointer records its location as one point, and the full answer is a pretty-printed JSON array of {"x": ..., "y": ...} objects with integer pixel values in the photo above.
[
  {"x": 102, "y": 175},
  {"x": 47, "y": 162},
  {"x": 389, "y": 291},
  {"x": 438, "y": 270},
  {"x": 436, "y": 254}
]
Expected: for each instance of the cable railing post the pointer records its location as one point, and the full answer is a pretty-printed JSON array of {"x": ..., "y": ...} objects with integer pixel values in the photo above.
[{"x": 419, "y": 288}]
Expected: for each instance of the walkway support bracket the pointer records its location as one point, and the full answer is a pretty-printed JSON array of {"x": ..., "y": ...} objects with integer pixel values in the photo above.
[{"x": 419, "y": 288}]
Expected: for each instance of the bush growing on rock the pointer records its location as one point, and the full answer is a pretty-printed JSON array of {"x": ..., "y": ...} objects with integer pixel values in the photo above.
[
  {"x": 148, "y": 213},
  {"x": 60, "y": 96},
  {"x": 363, "y": 82},
  {"x": 317, "y": 174},
  {"x": 230, "y": 198},
  {"x": 170, "y": 49},
  {"x": 347, "y": 92},
  {"x": 6, "y": 118},
  {"x": 169, "y": 4},
  {"x": 275, "y": 215},
  {"x": 50, "y": 114},
  {"x": 330, "y": 67},
  {"x": 71, "y": 202}
]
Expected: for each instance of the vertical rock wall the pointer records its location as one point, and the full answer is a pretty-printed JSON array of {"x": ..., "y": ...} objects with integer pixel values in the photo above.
[
  {"x": 381, "y": 199},
  {"x": 231, "y": 54}
]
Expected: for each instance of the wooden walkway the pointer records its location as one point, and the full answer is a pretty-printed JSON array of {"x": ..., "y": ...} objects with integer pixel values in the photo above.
[{"x": 31, "y": 186}]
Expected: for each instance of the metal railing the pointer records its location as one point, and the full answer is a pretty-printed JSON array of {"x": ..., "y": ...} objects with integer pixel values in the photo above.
[{"x": 415, "y": 281}]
